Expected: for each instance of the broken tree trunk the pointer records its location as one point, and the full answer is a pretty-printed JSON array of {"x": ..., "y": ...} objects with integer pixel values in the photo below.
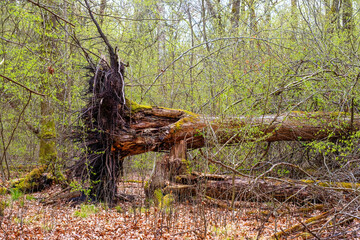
[
  {"x": 158, "y": 129},
  {"x": 167, "y": 169},
  {"x": 163, "y": 129}
]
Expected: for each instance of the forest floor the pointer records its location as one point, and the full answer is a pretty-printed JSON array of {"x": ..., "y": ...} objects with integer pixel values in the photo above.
[{"x": 25, "y": 217}]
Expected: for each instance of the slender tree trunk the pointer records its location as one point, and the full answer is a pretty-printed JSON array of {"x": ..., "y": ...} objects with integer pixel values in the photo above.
[
  {"x": 267, "y": 14},
  {"x": 252, "y": 17},
  {"x": 48, "y": 151},
  {"x": 242, "y": 7},
  {"x": 103, "y": 4},
  {"x": 203, "y": 17},
  {"x": 235, "y": 13},
  {"x": 215, "y": 15},
  {"x": 191, "y": 77},
  {"x": 161, "y": 44},
  {"x": 332, "y": 17},
  {"x": 294, "y": 19},
  {"x": 347, "y": 19}
]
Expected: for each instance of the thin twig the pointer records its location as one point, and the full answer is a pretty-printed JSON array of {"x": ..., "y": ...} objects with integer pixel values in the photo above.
[
  {"x": 199, "y": 45},
  {"x": 41, "y": 6},
  {"x": 12, "y": 135},
  {"x": 286, "y": 164},
  {"x": 112, "y": 52},
  {"x": 308, "y": 229},
  {"x": 23, "y": 86},
  {"x": 224, "y": 165}
]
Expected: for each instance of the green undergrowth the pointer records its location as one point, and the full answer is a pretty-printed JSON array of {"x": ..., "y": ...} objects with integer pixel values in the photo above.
[
  {"x": 164, "y": 202},
  {"x": 86, "y": 210}
]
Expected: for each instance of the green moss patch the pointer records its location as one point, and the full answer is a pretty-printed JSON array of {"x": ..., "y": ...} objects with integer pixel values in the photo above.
[
  {"x": 36, "y": 180},
  {"x": 135, "y": 107}
]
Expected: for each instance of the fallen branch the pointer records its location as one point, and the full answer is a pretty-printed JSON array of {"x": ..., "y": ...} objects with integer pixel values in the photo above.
[{"x": 298, "y": 227}]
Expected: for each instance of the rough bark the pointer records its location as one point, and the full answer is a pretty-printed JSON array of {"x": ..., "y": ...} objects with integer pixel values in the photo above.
[
  {"x": 158, "y": 129},
  {"x": 235, "y": 13}
]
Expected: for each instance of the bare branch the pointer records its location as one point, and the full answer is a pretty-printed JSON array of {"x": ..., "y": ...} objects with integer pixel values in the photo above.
[
  {"x": 23, "y": 86},
  {"x": 40, "y": 6}
]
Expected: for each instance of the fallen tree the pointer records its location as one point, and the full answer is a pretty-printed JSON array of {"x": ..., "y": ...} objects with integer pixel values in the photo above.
[
  {"x": 114, "y": 128},
  {"x": 174, "y": 130},
  {"x": 114, "y": 133},
  {"x": 172, "y": 175},
  {"x": 151, "y": 128},
  {"x": 158, "y": 129}
]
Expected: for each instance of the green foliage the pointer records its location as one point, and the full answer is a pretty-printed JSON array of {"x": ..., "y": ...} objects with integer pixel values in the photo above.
[
  {"x": 3, "y": 206},
  {"x": 163, "y": 202},
  {"x": 78, "y": 186},
  {"x": 342, "y": 147},
  {"x": 30, "y": 198},
  {"x": 282, "y": 172},
  {"x": 86, "y": 210},
  {"x": 16, "y": 194},
  {"x": 119, "y": 209},
  {"x": 158, "y": 195}
]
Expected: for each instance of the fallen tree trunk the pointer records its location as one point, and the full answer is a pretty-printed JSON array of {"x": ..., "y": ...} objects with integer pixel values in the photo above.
[
  {"x": 172, "y": 175},
  {"x": 243, "y": 189},
  {"x": 145, "y": 128},
  {"x": 162, "y": 129},
  {"x": 158, "y": 129}
]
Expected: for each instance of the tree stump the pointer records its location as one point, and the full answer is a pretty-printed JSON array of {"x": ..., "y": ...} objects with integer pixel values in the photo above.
[{"x": 166, "y": 170}]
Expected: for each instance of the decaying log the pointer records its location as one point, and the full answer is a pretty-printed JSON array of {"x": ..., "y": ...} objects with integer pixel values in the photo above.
[
  {"x": 158, "y": 129},
  {"x": 247, "y": 190},
  {"x": 36, "y": 180},
  {"x": 172, "y": 175},
  {"x": 321, "y": 218}
]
